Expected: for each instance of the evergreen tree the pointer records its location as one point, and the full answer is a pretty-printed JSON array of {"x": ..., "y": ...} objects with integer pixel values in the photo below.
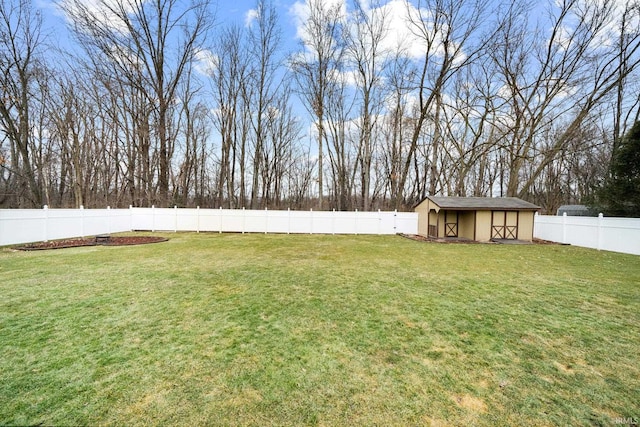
[{"x": 620, "y": 194}]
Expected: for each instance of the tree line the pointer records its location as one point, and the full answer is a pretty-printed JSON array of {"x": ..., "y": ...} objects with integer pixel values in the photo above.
[{"x": 162, "y": 103}]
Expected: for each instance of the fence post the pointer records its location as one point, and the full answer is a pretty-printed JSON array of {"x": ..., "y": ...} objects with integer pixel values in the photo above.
[
  {"x": 379, "y": 222},
  {"x": 333, "y": 222},
  {"x": 108, "y": 219},
  {"x": 311, "y": 222},
  {"x": 220, "y": 220},
  {"x": 197, "y": 219},
  {"x": 153, "y": 218},
  {"x": 564, "y": 227},
  {"x": 288, "y": 220},
  {"x": 82, "y": 221},
  {"x": 175, "y": 218},
  {"x": 244, "y": 219},
  {"x": 600, "y": 221},
  {"x": 130, "y": 217},
  {"x": 395, "y": 224},
  {"x": 46, "y": 223},
  {"x": 355, "y": 222},
  {"x": 266, "y": 220}
]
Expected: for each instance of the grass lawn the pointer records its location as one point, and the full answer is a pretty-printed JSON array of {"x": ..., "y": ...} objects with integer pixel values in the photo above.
[{"x": 295, "y": 330}]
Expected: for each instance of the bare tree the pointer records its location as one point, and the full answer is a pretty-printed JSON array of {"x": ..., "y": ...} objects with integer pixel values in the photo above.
[
  {"x": 282, "y": 136},
  {"x": 193, "y": 133},
  {"x": 396, "y": 127},
  {"x": 469, "y": 136},
  {"x": 322, "y": 49},
  {"x": 20, "y": 39},
  {"x": 367, "y": 30},
  {"x": 152, "y": 42},
  {"x": 563, "y": 75},
  {"x": 337, "y": 128},
  {"x": 263, "y": 43},
  {"x": 450, "y": 30},
  {"x": 625, "y": 114},
  {"x": 229, "y": 76}
]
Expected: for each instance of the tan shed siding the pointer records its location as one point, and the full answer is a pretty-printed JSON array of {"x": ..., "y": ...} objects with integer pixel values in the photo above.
[
  {"x": 423, "y": 216},
  {"x": 525, "y": 226},
  {"x": 483, "y": 226},
  {"x": 441, "y": 222},
  {"x": 433, "y": 219}
]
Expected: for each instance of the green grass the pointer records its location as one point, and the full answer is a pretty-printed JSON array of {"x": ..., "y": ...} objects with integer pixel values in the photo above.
[{"x": 232, "y": 329}]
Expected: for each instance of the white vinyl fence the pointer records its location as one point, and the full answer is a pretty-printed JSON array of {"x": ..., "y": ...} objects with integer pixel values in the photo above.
[
  {"x": 31, "y": 225},
  {"x": 611, "y": 234},
  {"x": 34, "y": 225}
]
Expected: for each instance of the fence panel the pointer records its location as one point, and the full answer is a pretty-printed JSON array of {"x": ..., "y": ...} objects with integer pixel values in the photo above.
[
  {"x": 405, "y": 222},
  {"x": 209, "y": 220},
  {"x": 579, "y": 231},
  {"x": 187, "y": 219},
  {"x": 367, "y": 223},
  {"x": 620, "y": 235},
  {"x": 612, "y": 234},
  {"x": 142, "y": 219},
  {"x": 34, "y": 225},
  {"x": 548, "y": 227},
  {"x": 232, "y": 220},
  {"x": 30, "y": 225},
  {"x": 278, "y": 221},
  {"x": 64, "y": 222},
  {"x": 300, "y": 222},
  {"x": 22, "y": 226}
]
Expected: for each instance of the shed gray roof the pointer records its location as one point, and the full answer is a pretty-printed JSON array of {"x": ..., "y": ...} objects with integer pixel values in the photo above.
[{"x": 483, "y": 203}]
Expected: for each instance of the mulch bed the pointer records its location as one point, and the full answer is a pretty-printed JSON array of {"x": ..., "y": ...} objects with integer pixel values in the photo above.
[
  {"x": 456, "y": 240},
  {"x": 94, "y": 241}
]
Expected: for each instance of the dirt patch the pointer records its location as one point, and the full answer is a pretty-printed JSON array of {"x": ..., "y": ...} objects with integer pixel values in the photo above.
[
  {"x": 545, "y": 242},
  {"x": 565, "y": 369},
  {"x": 471, "y": 403},
  {"x": 93, "y": 241}
]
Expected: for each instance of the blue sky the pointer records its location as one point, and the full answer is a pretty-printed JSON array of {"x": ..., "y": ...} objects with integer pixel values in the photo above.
[
  {"x": 226, "y": 12},
  {"x": 290, "y": 12}
]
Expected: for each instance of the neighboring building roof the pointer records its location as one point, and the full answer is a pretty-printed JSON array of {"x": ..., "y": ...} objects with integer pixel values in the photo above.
[
  {"x": 575, "y": 210},
  {"x": 483, "y": 203}
]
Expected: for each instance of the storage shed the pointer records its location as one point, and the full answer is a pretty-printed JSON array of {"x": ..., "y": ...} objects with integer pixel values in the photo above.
[{"x": 476, "y": 218}]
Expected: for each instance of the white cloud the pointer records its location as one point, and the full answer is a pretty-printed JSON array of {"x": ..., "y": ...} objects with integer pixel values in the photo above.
[
  {"x": 608, "y": 34},
  {"x": 106, "y": 13},
  {"x": 250, "y": 16},
  {"x": 400, "y": 35},
  {"x": 205, "y": 62},
  {"x": 402, "y": 20},
  {"x": 349, "y": 77},
  {"x": 300, "y": 12}
]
